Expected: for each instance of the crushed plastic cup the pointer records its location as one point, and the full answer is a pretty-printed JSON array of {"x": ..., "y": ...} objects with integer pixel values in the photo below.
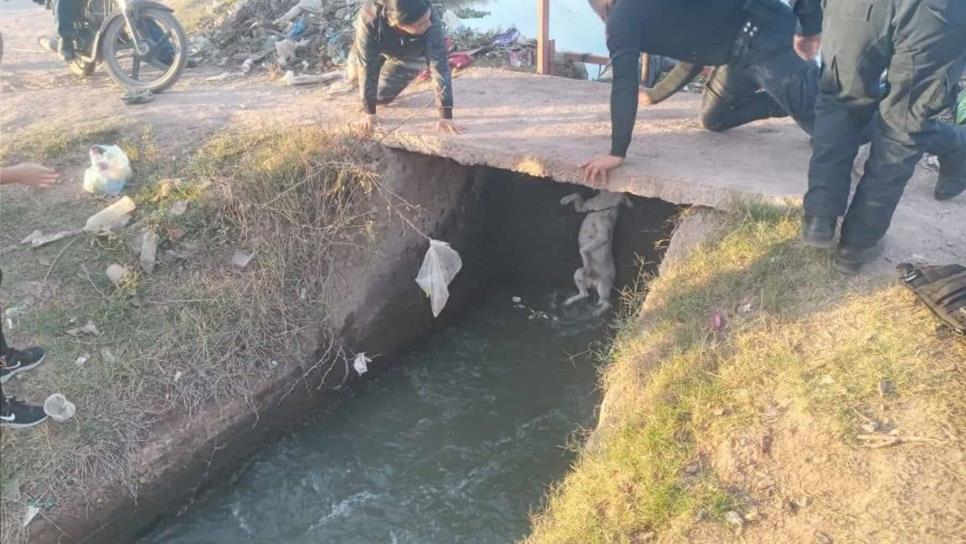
[
  {"x": 106, "y": 219},
  {"x": 109, "y": 172},
  {"x": 59, "y": 408}
]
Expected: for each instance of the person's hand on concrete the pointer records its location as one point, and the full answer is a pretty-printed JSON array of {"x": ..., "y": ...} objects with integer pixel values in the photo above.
[
  {"x": 30, "y": 174},
  {"x": 367, "y": 125},
  {"x": 447, "y": 126},
  {"x": 807, "y": 47},
  {"x": 595, "y": 170}
]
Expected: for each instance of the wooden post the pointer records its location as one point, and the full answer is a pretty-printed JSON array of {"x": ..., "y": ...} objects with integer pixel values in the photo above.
[{"x": 544, "y": 60}]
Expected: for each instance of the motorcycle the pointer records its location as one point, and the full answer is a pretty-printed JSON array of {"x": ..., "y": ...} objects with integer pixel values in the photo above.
[{"x": 140, "y": 42}]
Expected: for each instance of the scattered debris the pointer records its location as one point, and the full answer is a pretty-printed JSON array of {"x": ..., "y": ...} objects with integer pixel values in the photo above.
[
  {"x": 149, "y": 250},
  {"x": 59, "y": 408},
  {"x": 177, "y": 375},
  {"x": 734, "y": 519},
  {"x": 116, "y": 273},
  {"x": 822, "y": 538},
  {"x": 440, "y": 265},
  {"x": 108, "y": 356},
  {"x": 29, "y": 515},
  {"x": 752, "y": 515},
  {"x": 90, "y": 329},
  {"x": 224, "y": 76},
  {"x": 37, "y": 238},
  {"x": 241, "y": 259},
  {"x": 178, "y": 208},
  {"x": 111, "y": 218},
  {"x": 30, "y": 237},
  {"x": 82, "y": 359},
  {"x": 827, "y": 380},
  {"x": 718, "y": 412},
  {"x": 885, "y": 440},
  {"x": 293, "y": 79},
  {"x": 109, "y": 171},
  {"x": 886, "y": 388},
  {"x": 718, "y": 321},
  {"x": 133, "y": 98},
  {"x": 517, "y": 300},
  {"x": 361, "y": 363}
]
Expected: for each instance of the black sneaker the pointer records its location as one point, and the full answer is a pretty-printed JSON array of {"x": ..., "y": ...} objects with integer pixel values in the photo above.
[
  {"x": 952, "y": 178},
  {"x": 819, "y": 231},
  {"x": 850, "y": 260},
  {"x": 19, "y": 415},
  {"x": 20, "y": 360}
]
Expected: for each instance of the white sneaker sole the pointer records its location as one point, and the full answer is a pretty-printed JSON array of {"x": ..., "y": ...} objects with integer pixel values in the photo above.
[
  {"x": 15, "y": 425},
  {"x": 22, "y": 368}
]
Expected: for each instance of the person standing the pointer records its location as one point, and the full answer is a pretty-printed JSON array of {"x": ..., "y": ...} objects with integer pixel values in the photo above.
[
  {"x": 15, "y": 414},
  {"x": 921, "y": 44}
]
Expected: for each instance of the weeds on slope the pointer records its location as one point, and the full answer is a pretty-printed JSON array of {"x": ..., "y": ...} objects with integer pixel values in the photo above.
[
  {"x": 199, "y": 330},
  {"x": 749, "y": 365}
]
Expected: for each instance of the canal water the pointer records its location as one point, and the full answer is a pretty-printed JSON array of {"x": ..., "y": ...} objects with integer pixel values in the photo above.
[
  {"x": 573, "y": 24},
  {"x": 457, "y": 443}
]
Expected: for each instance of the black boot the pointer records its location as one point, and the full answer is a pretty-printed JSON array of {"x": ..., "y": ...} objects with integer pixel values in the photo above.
[
  {"x": 18, "y": 415},
  {"x": 65, "y": 48},
  {"x": 952, "y": 176},
  {"x": 850, "y": 260},
  {"x": 16, "y": 361},
  {"x": 819, "y": 231}
]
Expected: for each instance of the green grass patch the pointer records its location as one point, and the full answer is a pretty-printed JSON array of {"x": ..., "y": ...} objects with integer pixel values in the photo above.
[{"x": 796, "y": 336}]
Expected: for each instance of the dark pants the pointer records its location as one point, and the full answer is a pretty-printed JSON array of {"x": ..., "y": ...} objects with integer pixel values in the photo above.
[
  {"x": 768, "y": 80},
  {"x": 395, "y": 74},
  {"x": 66, "y": 13},
  {"x": 922, "y": 44}
]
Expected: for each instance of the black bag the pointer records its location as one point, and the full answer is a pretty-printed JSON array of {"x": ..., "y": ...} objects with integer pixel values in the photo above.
[{"x": 942, "y": 288}]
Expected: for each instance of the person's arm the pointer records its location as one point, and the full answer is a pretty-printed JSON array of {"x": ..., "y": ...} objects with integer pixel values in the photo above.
[
  {"x": 809, "y": 13},
  {"x": 438, "y": 59},
  {"x": 623, "y": 42},
  {"x": 808, "y": 39},
  {"x": 30, "y": 174},
  {"x": 369, "y": 56},
  {"x": 679, "y": 77}
]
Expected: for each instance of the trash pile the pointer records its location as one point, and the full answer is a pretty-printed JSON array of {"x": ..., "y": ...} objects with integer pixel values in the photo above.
[
  {"x": 304, "y": 42},
  {"x": 296, "y": 35}
]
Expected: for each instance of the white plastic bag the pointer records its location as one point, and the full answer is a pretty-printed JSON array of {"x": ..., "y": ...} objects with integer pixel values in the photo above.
[
  {"x": 440, "y": 266},
  {"x": 110, "y": 170}
]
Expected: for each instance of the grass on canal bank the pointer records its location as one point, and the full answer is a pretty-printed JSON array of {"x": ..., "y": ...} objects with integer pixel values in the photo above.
[
  {"x": 743, "y": 397},
  {"x": 196, "y": 331}
]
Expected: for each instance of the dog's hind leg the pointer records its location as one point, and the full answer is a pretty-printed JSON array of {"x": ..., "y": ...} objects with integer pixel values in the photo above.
[{"x": 581, "y": 282}]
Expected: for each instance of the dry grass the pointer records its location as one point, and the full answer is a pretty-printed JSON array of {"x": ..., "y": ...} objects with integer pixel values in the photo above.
[
  {"x": 198, "y": 329},
  {"x": 699, "y": 422}
]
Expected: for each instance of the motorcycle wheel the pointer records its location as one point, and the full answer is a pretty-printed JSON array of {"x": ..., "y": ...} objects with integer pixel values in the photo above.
[
  {"x": 81, "y": 68},
  {"x": 117, "y": 47}
]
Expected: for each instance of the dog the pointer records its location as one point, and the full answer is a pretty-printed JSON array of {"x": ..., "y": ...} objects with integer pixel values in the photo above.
[{"x": 596, "y": 246}]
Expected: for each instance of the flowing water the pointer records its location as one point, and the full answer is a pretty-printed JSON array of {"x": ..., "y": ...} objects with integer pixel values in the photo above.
[{"x": 456, "y": 444}]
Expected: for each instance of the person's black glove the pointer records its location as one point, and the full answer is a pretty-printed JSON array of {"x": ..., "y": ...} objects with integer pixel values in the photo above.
[{"x": 942, "y": 288}]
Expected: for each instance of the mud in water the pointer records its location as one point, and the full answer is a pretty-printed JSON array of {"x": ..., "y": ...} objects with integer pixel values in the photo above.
[{"x": 456, "y": 444}]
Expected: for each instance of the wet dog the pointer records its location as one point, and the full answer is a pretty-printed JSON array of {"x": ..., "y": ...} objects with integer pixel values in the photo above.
[{"x": 596, "y": 246}]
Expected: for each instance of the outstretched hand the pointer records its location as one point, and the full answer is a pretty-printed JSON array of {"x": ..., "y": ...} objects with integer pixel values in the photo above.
[
  {"x": 30, "y": 174},
  {"x": 368, "y": 124},
  {"x": 595, "y": 170},
  {"x": 807, "y": 47},
  {"x": 447, "y": 126}
]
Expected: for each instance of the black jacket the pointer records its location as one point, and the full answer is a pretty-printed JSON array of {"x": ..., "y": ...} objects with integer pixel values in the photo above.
[
  {"x": 697, "y": 32},
  {"x": 376, "y": 41}
]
